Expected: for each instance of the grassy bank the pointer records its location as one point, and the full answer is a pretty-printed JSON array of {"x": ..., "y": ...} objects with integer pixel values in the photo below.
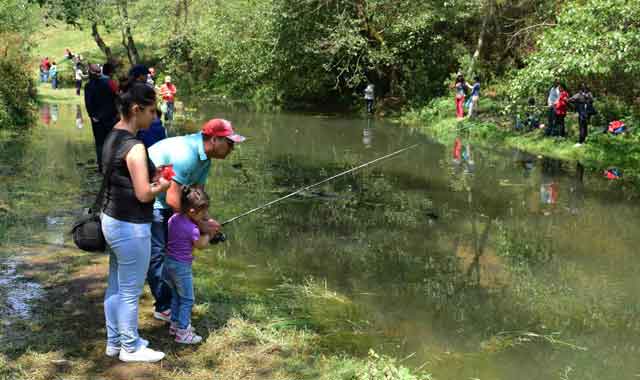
[
  {"x": 492, "y": 127},
  {"x": 283, "y": 332}
]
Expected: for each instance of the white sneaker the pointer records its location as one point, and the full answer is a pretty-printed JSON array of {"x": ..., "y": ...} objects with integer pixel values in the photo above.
[
  {"x": 163, "y": 316},
  {"x": 577, "y": 145},
  {"x": 173, "y": 328},
  {"x": 112, "y": 351},
  {"x": 143, "y": 354},
  {"x": 187, "y": 336}
]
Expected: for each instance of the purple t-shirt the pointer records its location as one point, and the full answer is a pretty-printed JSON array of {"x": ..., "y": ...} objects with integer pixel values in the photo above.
[{"x": 182, "y": 233}]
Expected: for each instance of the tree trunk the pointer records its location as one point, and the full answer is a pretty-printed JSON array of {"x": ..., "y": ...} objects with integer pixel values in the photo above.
[
  {"x": 176, "y": 24},
  {"x": 100, "y": 42},
  {"x": 488, "y": 15},
  {"x": 185, "y": 3},
  {"x": 127, "y": 37}
]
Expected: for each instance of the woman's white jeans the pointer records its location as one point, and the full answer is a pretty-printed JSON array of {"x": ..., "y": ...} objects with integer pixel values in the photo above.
[{"x": 130, "y": 250}]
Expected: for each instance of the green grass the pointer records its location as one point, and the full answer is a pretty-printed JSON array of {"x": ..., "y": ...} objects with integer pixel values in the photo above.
[
  {"x": 250, "y": 331},
  {"x": 52, "y": 41}
]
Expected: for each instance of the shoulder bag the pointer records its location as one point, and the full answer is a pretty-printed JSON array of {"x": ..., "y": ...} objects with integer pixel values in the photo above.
[{"x": 87, "y": 230}]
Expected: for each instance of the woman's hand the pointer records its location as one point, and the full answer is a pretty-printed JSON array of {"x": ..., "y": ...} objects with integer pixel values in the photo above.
[{"x": 162, "y": 185}]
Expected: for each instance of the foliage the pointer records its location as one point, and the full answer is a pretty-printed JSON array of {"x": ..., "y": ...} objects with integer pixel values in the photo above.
[
  {"x": 17, "y": 22},
  {"x": 374, "y": 367},
  {"x": 597, "y": 41},
  {"x": 399, "y": 46}
]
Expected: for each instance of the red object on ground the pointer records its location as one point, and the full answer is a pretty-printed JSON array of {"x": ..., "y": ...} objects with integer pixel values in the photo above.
[
  {"x": 615, "y": 125},
  {"x": 167, "y": 172}
]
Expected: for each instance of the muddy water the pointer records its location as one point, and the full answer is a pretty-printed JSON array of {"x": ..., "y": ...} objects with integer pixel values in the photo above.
[{"x": 470, "y": 261}]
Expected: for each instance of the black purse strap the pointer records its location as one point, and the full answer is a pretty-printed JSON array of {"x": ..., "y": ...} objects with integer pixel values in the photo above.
[{"x": 97, "y": 206}]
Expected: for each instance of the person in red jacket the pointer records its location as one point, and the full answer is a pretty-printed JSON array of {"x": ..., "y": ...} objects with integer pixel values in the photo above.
[
  {"x": 168, "y": 93},
  {"x": 561, "y": 106}
]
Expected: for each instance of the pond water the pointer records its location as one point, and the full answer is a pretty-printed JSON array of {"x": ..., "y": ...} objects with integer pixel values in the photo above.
[{"x": 471, "y": 262}]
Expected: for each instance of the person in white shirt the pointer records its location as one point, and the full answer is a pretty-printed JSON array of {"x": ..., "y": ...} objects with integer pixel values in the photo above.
[
  {"x": 79, "y": 76},
  {"x": 369, "y": 96}
]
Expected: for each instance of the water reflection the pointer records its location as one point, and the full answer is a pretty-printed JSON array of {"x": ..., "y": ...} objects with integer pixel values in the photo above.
[
  {"x": 526, "y": 161},
  {"x": 367, "y": 134},
  {"x": 79, "y": 119},
  {"x": 462, "y": 155},
  {"x": 576, "y": 190},
  {"x": 54, "y": 113},
  {"x": 549, "y": 186},
  {"x": 45, "y": 113}
]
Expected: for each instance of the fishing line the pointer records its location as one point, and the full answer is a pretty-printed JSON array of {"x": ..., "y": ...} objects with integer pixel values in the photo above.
[{"x": 220, "y": 237}]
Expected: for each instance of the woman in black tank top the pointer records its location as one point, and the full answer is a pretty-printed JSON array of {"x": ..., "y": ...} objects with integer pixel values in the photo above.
[{"x": 126, "y": 223}]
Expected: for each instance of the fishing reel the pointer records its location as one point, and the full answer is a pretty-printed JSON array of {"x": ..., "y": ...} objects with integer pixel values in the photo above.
[{"x": 219, "y": 237}]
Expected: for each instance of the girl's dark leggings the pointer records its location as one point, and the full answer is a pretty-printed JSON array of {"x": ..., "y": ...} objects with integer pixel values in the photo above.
[
  {"x": 78, "y": 86},
  {"x": 584, "y": 128}
]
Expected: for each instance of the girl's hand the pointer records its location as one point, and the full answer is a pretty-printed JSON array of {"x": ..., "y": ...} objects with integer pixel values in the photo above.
[{"x": 210, "y": 226}]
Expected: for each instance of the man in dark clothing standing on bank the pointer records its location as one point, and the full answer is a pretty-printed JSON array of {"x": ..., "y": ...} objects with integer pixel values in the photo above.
[{"x": 100, "y": 101}]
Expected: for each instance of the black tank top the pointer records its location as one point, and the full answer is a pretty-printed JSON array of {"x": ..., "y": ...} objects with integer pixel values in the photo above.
[{"x": 120, "y": 198}]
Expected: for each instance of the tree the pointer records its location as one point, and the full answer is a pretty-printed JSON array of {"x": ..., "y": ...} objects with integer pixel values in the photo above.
[
  {"x": 597, "y": 41},
  {"x": 127, "y": 35}
]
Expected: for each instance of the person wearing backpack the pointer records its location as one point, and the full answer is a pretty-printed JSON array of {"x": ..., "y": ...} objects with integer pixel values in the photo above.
[
  {"x": 560, "y": 107},
  {"x": 583, "y": 102}
]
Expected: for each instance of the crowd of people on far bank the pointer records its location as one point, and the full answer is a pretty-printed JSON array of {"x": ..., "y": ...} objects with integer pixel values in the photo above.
[
  {"x": 558, "y": 103},
  {"x": 155, "y": 208}
]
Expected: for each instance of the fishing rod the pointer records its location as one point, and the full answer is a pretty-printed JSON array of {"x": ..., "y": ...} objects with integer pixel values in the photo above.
[{"x": 220, "y": 237}]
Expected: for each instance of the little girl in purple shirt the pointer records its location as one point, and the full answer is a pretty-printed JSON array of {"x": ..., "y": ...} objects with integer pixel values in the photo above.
[{"x": 185, "y": 235}]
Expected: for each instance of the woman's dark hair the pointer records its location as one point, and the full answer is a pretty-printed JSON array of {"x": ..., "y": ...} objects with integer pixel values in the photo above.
[
  {"x": 136, "y": 93},
  {"x": 193, "y": 198},
  {"x": 532, "y": 101},
  {"x": 476, "y": 78}
]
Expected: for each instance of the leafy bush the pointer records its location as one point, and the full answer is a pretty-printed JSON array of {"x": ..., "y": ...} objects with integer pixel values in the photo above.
[
  {"x": 597, "y": 41},
  {"x": 17, "y": 93},
  {"x": 17, "y": 90}
]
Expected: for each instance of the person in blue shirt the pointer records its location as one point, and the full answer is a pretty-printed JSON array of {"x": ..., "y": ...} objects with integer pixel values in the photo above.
[
  {"x": 191, "y": 157},
  {"x": 475, "y": 97},
  {"x": 154, "y": 133}
]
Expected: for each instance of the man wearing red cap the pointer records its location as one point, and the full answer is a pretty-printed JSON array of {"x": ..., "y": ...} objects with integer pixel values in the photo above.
[{"x": 191, "y": 157}]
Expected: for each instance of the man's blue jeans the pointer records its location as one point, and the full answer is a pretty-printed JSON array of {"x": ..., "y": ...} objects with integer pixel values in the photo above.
[
  {"x": 130, "y": 249},
  {"x": 179, "y": 276},
  {"x": 159, "y": 236}
]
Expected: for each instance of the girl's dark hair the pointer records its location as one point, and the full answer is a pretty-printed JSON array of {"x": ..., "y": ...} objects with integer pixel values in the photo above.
[
  {"x": 193, "y": 198},
  {"x": 136, "y": 93}
]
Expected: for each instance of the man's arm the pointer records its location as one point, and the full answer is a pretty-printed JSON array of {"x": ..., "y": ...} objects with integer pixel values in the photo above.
[{"x": 174, "y": 195}]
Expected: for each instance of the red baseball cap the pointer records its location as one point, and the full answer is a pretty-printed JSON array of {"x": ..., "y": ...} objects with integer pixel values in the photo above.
[{"x": 221, "y": 128}]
